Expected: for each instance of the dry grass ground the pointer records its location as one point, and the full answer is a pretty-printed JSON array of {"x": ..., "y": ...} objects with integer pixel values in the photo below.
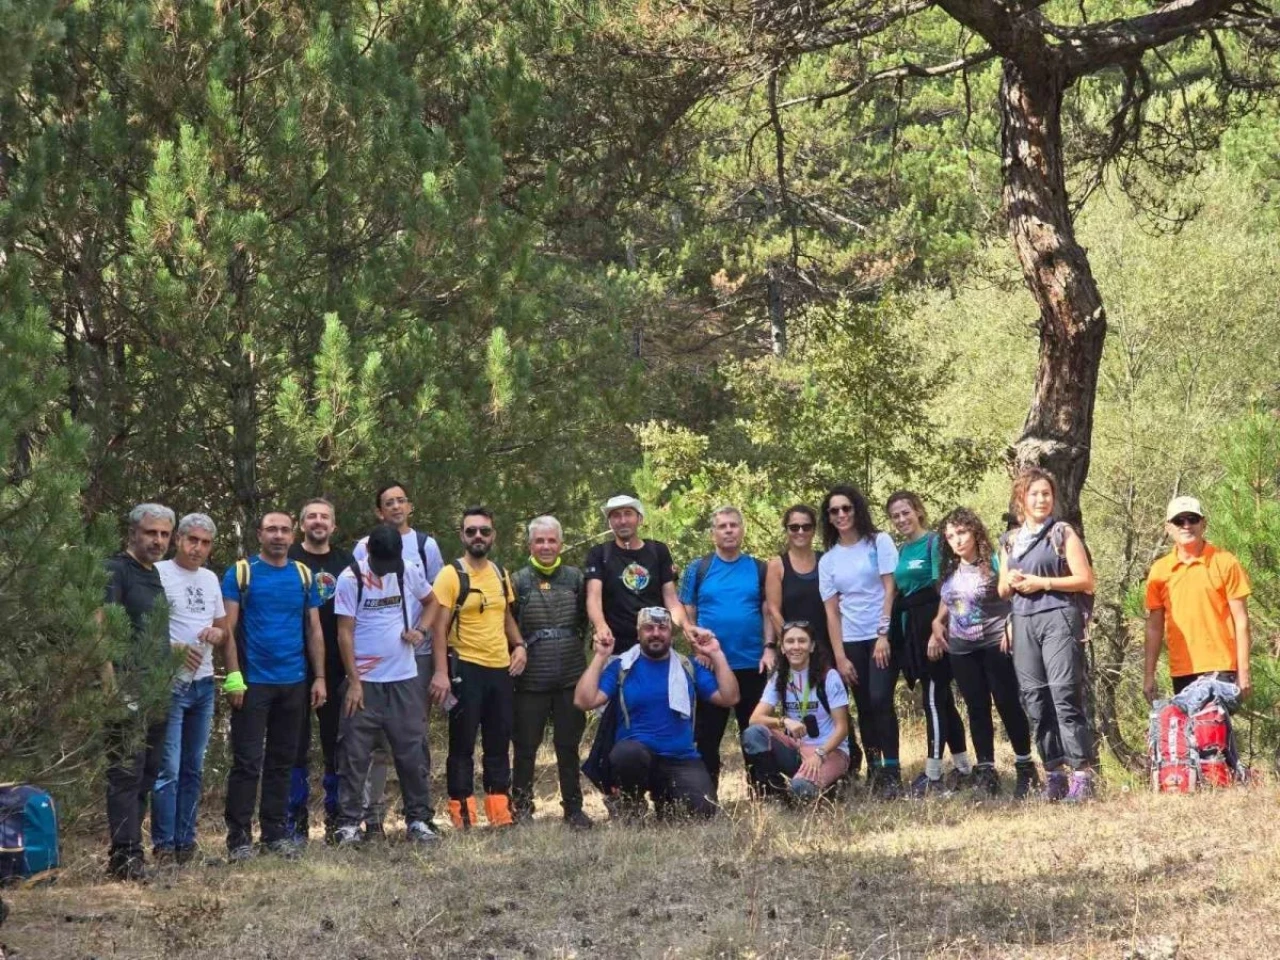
[{"x": 1132, "y": 876}]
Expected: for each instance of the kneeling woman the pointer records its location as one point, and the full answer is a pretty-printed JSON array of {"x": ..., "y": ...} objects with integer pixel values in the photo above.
[
  {"x": 807, "y": 742},
  {"x": 971, "y": 631}
]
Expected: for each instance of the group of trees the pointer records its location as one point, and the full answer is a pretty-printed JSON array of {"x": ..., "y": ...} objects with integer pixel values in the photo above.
[{"x": 533, "y": 252}]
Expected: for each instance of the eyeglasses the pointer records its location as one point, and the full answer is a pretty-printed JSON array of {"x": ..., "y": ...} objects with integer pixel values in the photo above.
[
  {"x": 1186, "y": 520},
  {"x": 473, "y": 531},
  {"x": 799, "y": 527},
  {"x": 840, "y": 508},
  {"x": 395, "y": 501}
]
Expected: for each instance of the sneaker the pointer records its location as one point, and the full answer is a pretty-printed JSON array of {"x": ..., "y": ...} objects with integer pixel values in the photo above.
[
  {"x": 1028, "y": 780},
  {"x": 577, "y": 820},
  {"x": 348, "y": 836},
  {"x": 1081, "y": 790},
  {"x": 241, "y": 854},
  {"x": 986, "y": 782},
  {"x": 955, "y": 781},
  {"x": 420, "y": 831},
  {"x": 1056, "y": 786},
  {"x": 922, "y": 786},
  {"x": 286, "y": 848}
]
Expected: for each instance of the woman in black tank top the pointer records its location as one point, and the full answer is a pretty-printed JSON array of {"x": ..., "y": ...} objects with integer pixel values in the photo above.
[{"x": 791, "y": 591}]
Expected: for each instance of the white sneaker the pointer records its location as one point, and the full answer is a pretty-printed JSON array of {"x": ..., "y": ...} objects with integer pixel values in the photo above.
[
  {"x": 420, "y": 831},
  {"x": 348, "y": 836}
]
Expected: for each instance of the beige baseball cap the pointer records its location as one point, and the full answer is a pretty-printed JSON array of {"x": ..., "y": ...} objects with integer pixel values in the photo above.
[
  {"x": 1180, "y": 505},
  {"x": 620, "y": 501}
]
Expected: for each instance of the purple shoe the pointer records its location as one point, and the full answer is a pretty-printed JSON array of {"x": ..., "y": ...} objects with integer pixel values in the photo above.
[
  {"x": 1056, "y": 786},
  {"x": 1081, "y": 788}
]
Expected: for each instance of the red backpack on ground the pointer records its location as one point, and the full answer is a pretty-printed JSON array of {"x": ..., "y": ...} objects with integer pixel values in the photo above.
[{"x": 1187, "y": 751}]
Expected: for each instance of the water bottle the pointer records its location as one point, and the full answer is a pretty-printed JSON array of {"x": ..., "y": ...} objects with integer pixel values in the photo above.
[{"x": 186, "y": 675}]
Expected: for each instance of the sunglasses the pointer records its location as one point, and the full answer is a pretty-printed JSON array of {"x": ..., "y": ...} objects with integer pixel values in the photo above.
[
  {"x": 795, "y": 624},
  {"x": 473, "y": 531},
  {"x": 799, "y": 527},
  {"x": 840, "y": 509},
  {"x": 1186, "y": 520}
]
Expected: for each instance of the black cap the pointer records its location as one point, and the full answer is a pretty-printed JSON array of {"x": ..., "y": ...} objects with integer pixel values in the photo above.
[{"x": 384, "y": 549}]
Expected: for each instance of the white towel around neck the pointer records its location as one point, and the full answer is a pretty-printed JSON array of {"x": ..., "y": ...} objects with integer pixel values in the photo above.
[{"x": 677, "y": 680}]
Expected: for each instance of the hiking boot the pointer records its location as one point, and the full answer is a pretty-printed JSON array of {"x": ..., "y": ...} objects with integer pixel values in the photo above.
[
  {"x": 330, "y": 832},
  {"x": 986, "y": 782},
  {"x": 420, "y": 831},
  {"x": 374, "y": 832},
  {"x": 163, "y": 857},
  {"x": 348, "y": 836},
  {"x": 462, "y": 813},
  {"x": 286, "y": 848},
  {"x": 577, "y": 820},
  {"x": 184, "y": 856},
  {"x": 922, "y": 786},
  {"x": 128, "y": 868},
  {"x": 888, "y": 784},
  {"x": 497, "y": 810},
  {"x": 1081, "y": 790},
  {"x": 955, "y": 781},
  {"x": 1056, "y": 786},
  {"x": 241, "y": 853},
  {"x": 1028, "y": 779}
]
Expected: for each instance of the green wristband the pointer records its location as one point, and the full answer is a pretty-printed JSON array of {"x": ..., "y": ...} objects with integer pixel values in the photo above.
[{"x": 234, "y": 683}]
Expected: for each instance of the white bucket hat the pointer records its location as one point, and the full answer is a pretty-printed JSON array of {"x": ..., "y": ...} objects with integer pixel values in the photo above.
[{"x": 620, "y": 501}]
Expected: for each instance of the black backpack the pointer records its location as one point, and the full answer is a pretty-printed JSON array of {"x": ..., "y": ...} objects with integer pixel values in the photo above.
[
  {"x": 465, "y": 589},
  {"x": 399, "y": 572}
]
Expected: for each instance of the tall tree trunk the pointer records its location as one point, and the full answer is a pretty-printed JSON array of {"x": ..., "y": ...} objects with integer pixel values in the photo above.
[
  {"x": 777, "y": 313},
  {"x": 243, "y": 395},
  {"x": 1072, "y": 322}
]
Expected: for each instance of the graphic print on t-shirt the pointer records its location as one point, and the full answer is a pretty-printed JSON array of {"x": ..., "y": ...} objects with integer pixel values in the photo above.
[
  {"x": 327, "y": 584},
  {"x": 635, "y": 577},
  {"x": 195, "y": 599}
]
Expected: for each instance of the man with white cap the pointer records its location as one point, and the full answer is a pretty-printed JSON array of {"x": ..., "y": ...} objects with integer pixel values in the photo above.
[
  {"x": 627, "y": 574},
  {"x": 1197, "y": 601}
]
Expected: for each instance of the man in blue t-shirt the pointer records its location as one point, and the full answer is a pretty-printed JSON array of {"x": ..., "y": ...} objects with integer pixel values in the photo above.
[
  {"x": 724, "y": 593},
  {"x": 657, "y": 692},
  {"x": 273, "y": 611}
]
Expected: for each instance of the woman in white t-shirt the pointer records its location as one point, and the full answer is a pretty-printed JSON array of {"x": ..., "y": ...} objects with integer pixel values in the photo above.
[
  {"x": 855, "y": 579},
  {"x": 803, "y": 750}
]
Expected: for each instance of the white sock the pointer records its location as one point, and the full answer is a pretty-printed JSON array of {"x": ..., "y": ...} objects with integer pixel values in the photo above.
[
  {"x": 1026, "y": 759},
  {"x": 961, "y": 760},
  {"x": 933, "y": 769}
]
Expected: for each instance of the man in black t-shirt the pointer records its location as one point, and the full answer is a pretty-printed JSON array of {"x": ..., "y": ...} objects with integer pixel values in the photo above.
[
  {"x": 134, "y": 583},
  {"x": 627, "y": 574},
  {"x": 318, "y": 522}
]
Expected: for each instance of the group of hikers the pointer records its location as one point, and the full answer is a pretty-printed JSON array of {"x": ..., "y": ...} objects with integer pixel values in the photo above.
[{"x": 370, "y": 640}]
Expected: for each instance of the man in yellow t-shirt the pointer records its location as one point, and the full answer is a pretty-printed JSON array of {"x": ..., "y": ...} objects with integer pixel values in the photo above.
[
  {"x": 485, "y": 652},
  {"x": 1197, "y": 601}
]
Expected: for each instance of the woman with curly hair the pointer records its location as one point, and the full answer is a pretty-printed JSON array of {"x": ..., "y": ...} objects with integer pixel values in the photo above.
[
  {"x": 1045, "y": 572},
  {"x": 914, "y": 607},
  {"x": 855, "y": 578},
  {"x": 971, "y": 631},
  {"x": 802, "y": 750}
]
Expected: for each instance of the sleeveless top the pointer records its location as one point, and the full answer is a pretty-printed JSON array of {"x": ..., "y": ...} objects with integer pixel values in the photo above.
[
  {"x": 1040, "y": 558},
  {"x": 801, "y": 599}
]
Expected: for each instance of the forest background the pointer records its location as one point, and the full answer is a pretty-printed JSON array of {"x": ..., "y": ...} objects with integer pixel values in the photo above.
[{"x": 534, "y": 253}]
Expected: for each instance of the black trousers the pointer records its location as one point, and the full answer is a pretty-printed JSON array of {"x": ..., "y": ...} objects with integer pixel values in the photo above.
[
  {"x": 327, "y": 718},
  {"x": 711, "y": 721},
  {"x": 873, "y": 695},
  {"x": 532, "y": 710},
  {"x": 486, "y": 703},
  {"x": 130, "y": 777},
  {"x": 676, "y": 786},
  {"x": 264, "y": 743},
  {"x": 942, "y": 723},
  {"x": 987, "y": 675}
]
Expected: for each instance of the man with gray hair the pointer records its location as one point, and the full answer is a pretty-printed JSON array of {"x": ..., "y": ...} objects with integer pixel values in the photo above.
[
  {"x": 134, "y": 584},
  {"x": 197, "y": 624},
  {"x": 551, "y": 613}
]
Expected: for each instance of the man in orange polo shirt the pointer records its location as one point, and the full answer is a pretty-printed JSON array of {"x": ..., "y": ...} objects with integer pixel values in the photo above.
[{"x": 1197, "y": 596}]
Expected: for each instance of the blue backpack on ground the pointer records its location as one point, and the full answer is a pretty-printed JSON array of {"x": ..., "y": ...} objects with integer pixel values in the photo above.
[{"x": 28, "y": 832}]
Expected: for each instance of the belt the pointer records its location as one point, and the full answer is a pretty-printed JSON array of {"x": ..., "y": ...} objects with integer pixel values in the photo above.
[{"x": 550, "y": 633}]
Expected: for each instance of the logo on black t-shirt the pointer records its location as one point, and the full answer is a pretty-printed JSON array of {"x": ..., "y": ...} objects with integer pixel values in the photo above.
[
  {"x": 326, "y": 584},
  {"x": 635, "y": 577}
]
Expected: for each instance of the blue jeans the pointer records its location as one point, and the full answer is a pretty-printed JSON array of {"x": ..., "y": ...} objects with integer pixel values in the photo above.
[{"x": 175, "y": 802}]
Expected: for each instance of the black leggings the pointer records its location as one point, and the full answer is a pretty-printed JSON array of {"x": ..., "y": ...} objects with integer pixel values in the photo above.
[
  {"x": 711, "y": 721},
  {"x": 987, "y": 675},
  {"x": 873, "y": 695}
]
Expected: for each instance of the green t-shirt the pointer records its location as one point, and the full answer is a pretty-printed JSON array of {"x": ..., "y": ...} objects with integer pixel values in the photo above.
[{"x": 917, "y": 564}]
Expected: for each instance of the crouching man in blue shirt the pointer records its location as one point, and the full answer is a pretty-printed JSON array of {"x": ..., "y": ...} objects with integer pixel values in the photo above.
[{"x": 656, "y": 690}]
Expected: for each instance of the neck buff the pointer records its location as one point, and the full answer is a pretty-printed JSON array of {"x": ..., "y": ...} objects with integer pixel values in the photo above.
[{"x": 545, "y": 571}]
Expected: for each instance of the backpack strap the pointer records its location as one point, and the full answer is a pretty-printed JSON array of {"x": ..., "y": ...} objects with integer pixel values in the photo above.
[
  {"x": 685, "y": 663},
  {"x": 762, "y": 571},
  {"x": 243, "y": 576},
  {"x": 700, "y": 571},
  {"x": 821, "y": 690},
  {"x": 359, "y": 575},
  {"x": 422, "y": 548}
]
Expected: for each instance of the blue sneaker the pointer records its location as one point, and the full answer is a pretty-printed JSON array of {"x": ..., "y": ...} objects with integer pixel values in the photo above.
[
  {"x": 1056, "y": 786},
  {"x": 1081, "y": 788}
]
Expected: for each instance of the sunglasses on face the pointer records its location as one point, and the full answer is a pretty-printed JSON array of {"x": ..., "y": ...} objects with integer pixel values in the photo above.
[
  {"x": 839, "y": 509},
  {"x": 473, "y": 531},
  {"x": 1186, "y": 520},
  {"x": 799, "y": 527}
]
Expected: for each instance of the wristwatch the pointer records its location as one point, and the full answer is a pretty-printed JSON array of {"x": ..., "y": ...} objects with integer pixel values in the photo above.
[{"x": 821, "y": 753}]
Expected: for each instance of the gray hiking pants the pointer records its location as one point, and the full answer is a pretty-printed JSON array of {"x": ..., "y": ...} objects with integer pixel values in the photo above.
[
  {"x": 375, "y": 788},
  {"x": 396, "y": 711},
  {"x": 1048, "y": 655}
]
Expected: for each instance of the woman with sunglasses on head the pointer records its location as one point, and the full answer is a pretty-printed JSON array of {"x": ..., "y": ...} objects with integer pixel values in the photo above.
[
  {"x": 970, "y": 631},
  {"x": 1045, "y": 572},
  {"x": 791, "y": 590},
  {"x": 802, "y": 750},
  {"x": 855, "y": 578},
  {"x": 914, "y": 607}
]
